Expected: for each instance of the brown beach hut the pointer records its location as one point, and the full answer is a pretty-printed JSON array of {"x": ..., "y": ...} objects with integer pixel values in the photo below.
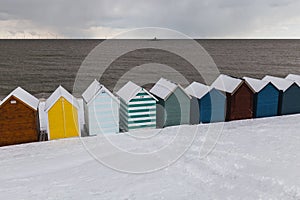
[
  {"x": 19, "y": 121},
  {"x": 239, "y": 97}
]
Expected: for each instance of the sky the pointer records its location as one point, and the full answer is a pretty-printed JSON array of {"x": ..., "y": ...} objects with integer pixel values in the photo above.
[{"x": 108, "y": 18}]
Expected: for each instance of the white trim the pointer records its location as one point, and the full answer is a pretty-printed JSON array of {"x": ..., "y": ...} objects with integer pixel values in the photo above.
[
  {"x": 142, "y": 113},
  {"x": 141, "y": 108},
  {"x": 141, "y": 124},
  {"x": 142, "y": 102},
  {"x": 141, "y": 118}
]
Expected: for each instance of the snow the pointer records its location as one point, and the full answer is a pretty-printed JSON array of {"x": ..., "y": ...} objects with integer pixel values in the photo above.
[
  {"x": 24, "y": 96},
  {"x": 93, "y": 90},
  {"x": 130, "y": 90},
  {"x": 280, "y": 83},
  {"x": 256, "y": 84},
  {"x": 197, "y": 90},
  {"x": 253, "y": 159},
  {"x": 163, "y": 88},
  {"x": 226, "y": 83},
  {"x": 60, "y": 92},
  {"x": 294, "y": 77}
]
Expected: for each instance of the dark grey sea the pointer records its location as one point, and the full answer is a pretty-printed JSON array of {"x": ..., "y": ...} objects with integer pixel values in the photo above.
[{"x": 39, "y": 66}]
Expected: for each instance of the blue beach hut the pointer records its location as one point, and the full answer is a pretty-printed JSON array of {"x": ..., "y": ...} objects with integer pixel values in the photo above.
[
  {"x": 266, "y": 97},
  {"x": 289, "y": 100},
  {"x": 208, "y": 103},
  {"x": 101, "y": 109}
]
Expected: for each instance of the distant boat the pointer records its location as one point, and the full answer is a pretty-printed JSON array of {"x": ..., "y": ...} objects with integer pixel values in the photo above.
[{"x": 154, "y": 39}]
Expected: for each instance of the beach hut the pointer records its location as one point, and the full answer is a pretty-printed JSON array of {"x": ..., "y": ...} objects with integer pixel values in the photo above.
[
  {"x": 19, "y": 121},
  {"x": 62, "y": 115},
  {"x": 266, "y": 97},
  {"x": 101, "y": 110},
  {"x": 137, "y": 107},
  {"x": 208, "y": 103},
  {"x": 173, "y": 106},
  {"x": 239, "y": 97},
  {"x": 289, "y": 100}
]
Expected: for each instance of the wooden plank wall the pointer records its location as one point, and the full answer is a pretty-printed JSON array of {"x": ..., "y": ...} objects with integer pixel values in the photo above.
[{"x": 18, "y": 123}]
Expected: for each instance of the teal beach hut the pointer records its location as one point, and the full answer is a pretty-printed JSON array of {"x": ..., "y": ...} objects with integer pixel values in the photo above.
[
  {"x": 101, "y": 110},
  {"x": 208, "y": 103},
  {"x": 137, "y": 107},
  {"x": 173, "y": 107},
  {"x": 289, "y": 100},
  {"x": 266, "y": 97}
]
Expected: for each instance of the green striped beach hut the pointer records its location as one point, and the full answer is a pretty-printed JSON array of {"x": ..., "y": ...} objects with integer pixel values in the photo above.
[{"x": 137, "y": 107}]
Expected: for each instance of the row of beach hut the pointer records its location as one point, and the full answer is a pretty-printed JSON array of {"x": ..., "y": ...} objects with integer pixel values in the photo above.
[{"x": 23, "y": 117}]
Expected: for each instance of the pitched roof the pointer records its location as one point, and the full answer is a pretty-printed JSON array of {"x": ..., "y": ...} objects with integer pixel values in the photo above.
[
  {"x": 198, "y": 90},
  {"x": 226, "y": 83},
  {"x": 294, "y": 77},
  {"x": 93, "y": 90},
  {"x": 280, "y": 83},
  {"x": 60, "y": 92},
  {"x": 24, "y": 96},
  {"x": 164, "y": 88},
  {"x": 256, "y": 84},
  {"x": 130, "y": 90}
]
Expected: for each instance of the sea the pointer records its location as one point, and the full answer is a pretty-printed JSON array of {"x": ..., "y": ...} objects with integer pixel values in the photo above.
[{"x": 40, "y": 66}]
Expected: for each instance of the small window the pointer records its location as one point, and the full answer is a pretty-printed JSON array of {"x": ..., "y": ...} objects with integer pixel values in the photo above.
[{"x": 13, "y": 102}]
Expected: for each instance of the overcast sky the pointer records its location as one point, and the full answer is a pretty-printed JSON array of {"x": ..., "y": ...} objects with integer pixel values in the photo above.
[{"x": 106, "y": 18}]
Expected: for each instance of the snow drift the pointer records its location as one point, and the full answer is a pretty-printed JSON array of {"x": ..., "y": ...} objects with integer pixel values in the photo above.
[{"x": 252, "y": 159}]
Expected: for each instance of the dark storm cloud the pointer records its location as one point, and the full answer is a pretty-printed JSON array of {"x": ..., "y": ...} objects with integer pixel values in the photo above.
[{"x": 213, "y": 18}]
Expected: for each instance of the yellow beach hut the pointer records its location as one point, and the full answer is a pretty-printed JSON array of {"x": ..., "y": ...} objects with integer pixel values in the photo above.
[{"x": 62, "y": 115}]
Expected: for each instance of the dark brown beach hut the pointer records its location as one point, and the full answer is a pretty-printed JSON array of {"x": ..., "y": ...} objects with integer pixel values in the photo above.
[
  {"x": 19, "y": 121},
  {"x": 239, "y": 97}
]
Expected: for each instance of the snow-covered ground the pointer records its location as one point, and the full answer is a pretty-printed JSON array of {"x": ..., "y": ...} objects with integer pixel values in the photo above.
[{"x": 253, "y": 159}]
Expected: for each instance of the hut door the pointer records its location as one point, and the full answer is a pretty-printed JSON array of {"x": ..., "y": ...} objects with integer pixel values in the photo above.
[
  {"x": 242, "y": 106},
  {"x": 56, "y": 121},
  {"x": 70, "y": 118}
]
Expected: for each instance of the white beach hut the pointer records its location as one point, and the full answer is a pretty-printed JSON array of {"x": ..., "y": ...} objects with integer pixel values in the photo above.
[{"x": 101, "y": 110}]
